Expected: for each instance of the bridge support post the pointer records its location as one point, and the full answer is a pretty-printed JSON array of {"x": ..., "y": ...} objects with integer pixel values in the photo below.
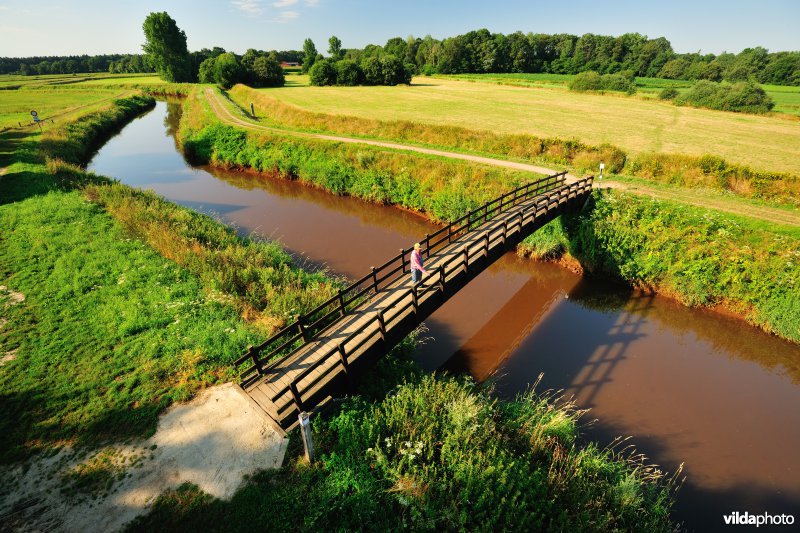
[
  {"x": 414, "y": 300},
  {"x": 305, "y": 432}
]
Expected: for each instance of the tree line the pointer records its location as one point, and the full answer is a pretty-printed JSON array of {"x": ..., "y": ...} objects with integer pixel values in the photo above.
[
  {"x": 42, "y": 65},
  {"x": 480, "y": 51}
]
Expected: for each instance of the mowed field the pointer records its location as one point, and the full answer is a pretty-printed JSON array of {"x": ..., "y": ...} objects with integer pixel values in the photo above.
[
  {"x": 58, "y": 95},
  {"x": 635, "y": 124}
]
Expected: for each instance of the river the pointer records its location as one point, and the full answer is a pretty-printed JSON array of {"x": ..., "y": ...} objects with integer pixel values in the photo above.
[{"x": 690, "y": 386}]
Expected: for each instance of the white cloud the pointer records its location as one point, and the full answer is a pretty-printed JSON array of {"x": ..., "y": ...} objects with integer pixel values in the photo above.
[
  {"x": 252, "y": 7},
  {"x": 286, "y": 16},
  {"x": 312, "y": 3},
  {"x": 285, "y": 3}
]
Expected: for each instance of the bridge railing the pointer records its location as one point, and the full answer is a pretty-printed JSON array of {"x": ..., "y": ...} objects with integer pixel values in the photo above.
[
  {"x": 307, "y": 327},
  {"x": 341, "y": 351}
]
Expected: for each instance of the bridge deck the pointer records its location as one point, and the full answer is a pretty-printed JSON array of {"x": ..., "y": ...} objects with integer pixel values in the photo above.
[{"x": 323, "y": 367}]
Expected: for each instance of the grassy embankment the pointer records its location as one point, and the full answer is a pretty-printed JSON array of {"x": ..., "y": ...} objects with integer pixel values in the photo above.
[
  {"x": 442, "y": 188},
  {"x": 110, "y": 332},
  {"x": 639, "y": 132}
]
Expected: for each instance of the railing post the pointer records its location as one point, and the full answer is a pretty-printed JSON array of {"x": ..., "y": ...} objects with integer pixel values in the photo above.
[
  {"x": 485, "y": 212},
  {"x": 450, "y": 233},
  {"x": 296, "y": 396},
  {"x": 254, "y": 356},
  {"x": 374, "y": 279},
  {"x": 341, "y": 303},
  {"x": 441, "y": 279},
  {"x": 486, "y": 243},
  {"x": 303, "y": 332},
  {"x": 428, "y": 245},
  {"x": 466, "y": 258},
  {"x": 414, "y": 299},
  {"x": 403, "y": 259},
  {"x": 343, "y": 357},
  {"x": 305, "y": 431},
  {"x": 505, "y": 230},
  {"x": 382, "y": 325}
]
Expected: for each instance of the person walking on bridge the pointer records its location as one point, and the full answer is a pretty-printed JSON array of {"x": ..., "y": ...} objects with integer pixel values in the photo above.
[{"x": 417, "y": 265}]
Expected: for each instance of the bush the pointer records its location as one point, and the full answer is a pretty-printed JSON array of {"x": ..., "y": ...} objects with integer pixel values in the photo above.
[
  {"x": 586, "y": 81},
  {"x": 668, "y": 94},
  {"x": 348, "y": 73},
  {"x": 592, "y": 81},
  {"x": 322, "y": 73},
  {"x": 385, "y": 70},
  {"x": 741, "y": 97},
  {"x": 227, "y": 70},
  {"x": 267, "y": 72}
]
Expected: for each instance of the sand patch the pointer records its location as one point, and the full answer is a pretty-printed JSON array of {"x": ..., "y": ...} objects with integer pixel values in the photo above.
[{"x": 212, "y": 441}]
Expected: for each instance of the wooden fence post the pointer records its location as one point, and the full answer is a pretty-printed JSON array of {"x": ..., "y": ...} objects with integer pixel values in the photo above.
[
  {"x": 341, "y": 303},
  {"x": 374, "y": 279},
  {"x": 305, "y": 431}
]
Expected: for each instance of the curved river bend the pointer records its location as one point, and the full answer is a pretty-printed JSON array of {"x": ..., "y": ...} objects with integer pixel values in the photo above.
[{"x": 691, "y": 386}]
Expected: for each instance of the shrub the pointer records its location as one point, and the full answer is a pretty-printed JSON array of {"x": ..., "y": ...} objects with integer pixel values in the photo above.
[
  {"x": 586, "y": 81},
  {"x": 267, "y": 72},
  {"x": 742, "y": 97},
  {"x": 227, "y": 70},
  {"x": 592, "y": 81},
  {"x": 668, "y": 94},
  {"x": 348, "y": 73},
  {"x": 322, "y": 72}
]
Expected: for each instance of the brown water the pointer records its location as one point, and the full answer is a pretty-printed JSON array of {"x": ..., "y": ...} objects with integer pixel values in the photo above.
[{"x": 692, "y": 387}]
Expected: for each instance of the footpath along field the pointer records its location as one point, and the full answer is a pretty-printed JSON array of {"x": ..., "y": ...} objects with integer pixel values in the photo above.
[{"x": 634, "y": 124}]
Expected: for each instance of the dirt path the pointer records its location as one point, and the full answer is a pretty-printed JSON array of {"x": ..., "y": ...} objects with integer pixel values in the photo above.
[
  {"x": 212, "y": 441},
  {"x": 769, "y": 214}
]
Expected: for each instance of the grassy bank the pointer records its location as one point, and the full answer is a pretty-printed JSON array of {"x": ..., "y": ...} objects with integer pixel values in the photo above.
[
  {"x": 129, "y": 303},
  {"x": 685, "y": 170},
  {"x": 438, "y": 454},
  {"x": 701, "y": 258},
  {"x": 444, "y": 189}
]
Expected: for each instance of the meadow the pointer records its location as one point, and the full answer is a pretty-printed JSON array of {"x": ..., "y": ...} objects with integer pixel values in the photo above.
[{"x": 634, "y": 124}]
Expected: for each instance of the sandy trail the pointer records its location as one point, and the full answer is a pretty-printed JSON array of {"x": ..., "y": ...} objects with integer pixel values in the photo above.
[{"x": 212, "y": 441}]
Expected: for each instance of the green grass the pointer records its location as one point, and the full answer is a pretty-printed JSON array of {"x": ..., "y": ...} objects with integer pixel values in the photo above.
[
  {"x": 109, "y": 334},
  {"x": 113, "y": 327},
  {"x": 439, "y": 455},
  {"x": 16, "y": 106},
  {"x": 442, "y": 188}
]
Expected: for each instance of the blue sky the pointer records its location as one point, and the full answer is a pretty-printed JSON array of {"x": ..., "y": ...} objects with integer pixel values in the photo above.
[{"x": 34, "y": 27}]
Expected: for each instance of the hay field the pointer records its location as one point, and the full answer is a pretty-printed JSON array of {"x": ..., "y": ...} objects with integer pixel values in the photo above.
[{"x": 634, "y": 124}]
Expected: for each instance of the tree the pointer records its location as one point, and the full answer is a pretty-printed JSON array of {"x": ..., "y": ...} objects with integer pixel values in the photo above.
[
  {"x": 267, "y": 72},
  {"x": 335, "y": 48},
  {"x": 227, "y": 70},
  {"x": 206, "y": 71},
  {"x": 322, "y": 73},
  {"x": 165, "y": 43},
  {"x": 309, "y": 55},
  {"x": 348, "y": 73}
]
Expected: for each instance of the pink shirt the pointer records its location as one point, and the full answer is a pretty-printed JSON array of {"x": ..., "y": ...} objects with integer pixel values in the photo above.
[{"x": 416, "y": 261}]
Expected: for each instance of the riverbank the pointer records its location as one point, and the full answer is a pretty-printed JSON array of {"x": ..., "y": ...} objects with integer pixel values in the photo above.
[{"x": 111, "y": 332}]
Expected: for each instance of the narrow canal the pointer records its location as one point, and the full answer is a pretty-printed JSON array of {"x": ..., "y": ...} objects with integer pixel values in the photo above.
[{"x": 691, "y": 386}]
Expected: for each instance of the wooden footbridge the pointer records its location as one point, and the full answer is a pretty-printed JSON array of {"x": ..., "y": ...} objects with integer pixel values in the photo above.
[{"x": 317, "y": 357}]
